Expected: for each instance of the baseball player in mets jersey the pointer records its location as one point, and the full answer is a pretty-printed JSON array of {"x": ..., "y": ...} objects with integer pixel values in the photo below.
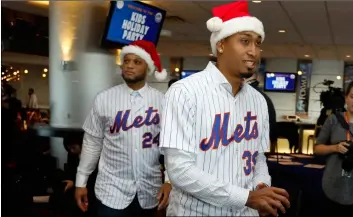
[
  {"x": 122, "y": 132},
  {"x": 215, "y": 128}
]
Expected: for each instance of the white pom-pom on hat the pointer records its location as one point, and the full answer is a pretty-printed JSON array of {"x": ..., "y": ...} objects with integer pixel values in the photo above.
[
  {"x": 214, "y": 24},
  {"x": 161, "y": 76}
]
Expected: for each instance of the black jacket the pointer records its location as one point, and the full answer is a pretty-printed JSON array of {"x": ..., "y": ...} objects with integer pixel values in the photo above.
[{"x": 271, "y": 113}]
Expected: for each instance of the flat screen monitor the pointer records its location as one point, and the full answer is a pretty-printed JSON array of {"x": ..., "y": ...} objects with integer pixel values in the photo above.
[
  {"x": 280, "y": 82},
  {"x": 186, "y": 73},
  {"x": 130, "y": 21}
]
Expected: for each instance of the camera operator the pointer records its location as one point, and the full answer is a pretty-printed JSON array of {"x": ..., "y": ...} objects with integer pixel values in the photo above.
[{"x": 334, "y": 141}]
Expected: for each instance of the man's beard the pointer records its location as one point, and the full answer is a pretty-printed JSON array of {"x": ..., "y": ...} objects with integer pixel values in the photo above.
[
  {"x": 246, "y": 75},
  {"x": 134, "y": 80}
]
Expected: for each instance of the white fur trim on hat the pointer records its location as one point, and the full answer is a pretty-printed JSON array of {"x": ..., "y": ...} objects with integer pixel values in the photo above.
[
  {"x": 161, "y": 76},
  {"x": 214, "y": 24},
  {"x": 132, "y": 49},
  {"x": 236, "y": 25}
]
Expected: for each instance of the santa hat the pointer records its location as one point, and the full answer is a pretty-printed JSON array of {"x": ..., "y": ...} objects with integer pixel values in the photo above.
[
  {"x": 230, "y": 19},
  {"x": 147, "y": 51}
]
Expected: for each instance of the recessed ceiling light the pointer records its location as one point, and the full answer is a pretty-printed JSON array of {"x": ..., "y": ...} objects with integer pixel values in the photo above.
[
  {"x": 306, "y": 55},
  {"x": 281, "y": 31},
  {"x": 256, "y": 1},
  {"x": 338, "y": 77},
  {"x": 348, "y": 56}
]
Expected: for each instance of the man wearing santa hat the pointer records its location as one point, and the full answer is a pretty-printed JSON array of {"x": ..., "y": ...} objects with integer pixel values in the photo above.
[
  {"x": 122, "y": 133},
  {"x": 215, "y": 128}
]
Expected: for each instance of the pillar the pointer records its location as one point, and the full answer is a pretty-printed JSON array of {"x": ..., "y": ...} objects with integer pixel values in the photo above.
[{"x": 75, "y": 29}]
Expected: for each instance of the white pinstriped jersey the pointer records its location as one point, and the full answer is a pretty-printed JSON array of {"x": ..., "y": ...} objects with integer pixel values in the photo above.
[
  {"x": 225, "y": 132},
  {"x": 129, "y": 123}
]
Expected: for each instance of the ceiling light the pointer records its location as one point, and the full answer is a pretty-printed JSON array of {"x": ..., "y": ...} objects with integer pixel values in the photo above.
[
  {"x": 166, "y": 33},
  {"x": 176, "y": 69},
  {"x": 281, "y": 31},
  {"x": 26, "y": 71},
  {"x": 45, "y": 70},
  {"x": 40, "y": 2},
  {"x": 44, "y": 75},
  {"x": 348, "y": 56},
  {"x": 307, "y": 55},
  {"x": 256, "y": 1},
  {"x": 338, "y": 77},
  {"x": 300, "y": 72}
]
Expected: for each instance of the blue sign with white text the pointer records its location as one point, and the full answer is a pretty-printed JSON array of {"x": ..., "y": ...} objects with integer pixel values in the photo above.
[
  {"x": 285, "y": 82},
  {"x": 132, "y": 21}
]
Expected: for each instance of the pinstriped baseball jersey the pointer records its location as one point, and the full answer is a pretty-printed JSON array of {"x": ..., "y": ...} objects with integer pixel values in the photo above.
[
  {"x": 225, "y": 132},
  {"x": 129, "y": 123}
]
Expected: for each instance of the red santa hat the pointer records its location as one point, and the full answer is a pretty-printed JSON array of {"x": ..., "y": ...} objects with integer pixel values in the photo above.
[
  {"x": 147, "y": 51},
  {"x": 230, "y": 19}
]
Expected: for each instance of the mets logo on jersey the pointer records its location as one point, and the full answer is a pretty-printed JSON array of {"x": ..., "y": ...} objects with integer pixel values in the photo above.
[
  {"x": 220, "y": 131},
  {"x": 121, "y": 119}
]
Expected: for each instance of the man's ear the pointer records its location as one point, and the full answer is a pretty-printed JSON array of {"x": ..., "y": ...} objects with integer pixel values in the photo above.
[{"x": 220, "y": 47}]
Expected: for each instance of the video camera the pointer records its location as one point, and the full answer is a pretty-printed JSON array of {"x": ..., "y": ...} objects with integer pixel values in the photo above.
[
  {"x": 347, "y": 163},
  {"x": 333, "y": 98}
]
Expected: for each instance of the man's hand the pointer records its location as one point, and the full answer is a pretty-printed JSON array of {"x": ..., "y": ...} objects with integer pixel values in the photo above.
[
  {"x": 81, "y": 198},
  {"x": 69, "y": 184},
  {"x": 267, "y": 200},
  {"x": 163, "y": 196},
  {"x": 261, "y": 186}
]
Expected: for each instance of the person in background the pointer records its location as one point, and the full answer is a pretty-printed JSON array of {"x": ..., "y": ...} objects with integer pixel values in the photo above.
[
  {"x": 122, "y": 133},
  {"x": 333, "y": 142},
  {"x": 32, "y": 99},
  {"x": 172, "y": 81},
  {"x": 253, "y": 81}
]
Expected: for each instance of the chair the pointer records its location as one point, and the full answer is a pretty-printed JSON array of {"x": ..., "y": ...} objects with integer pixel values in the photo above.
[{"x": 312, "y": 138}]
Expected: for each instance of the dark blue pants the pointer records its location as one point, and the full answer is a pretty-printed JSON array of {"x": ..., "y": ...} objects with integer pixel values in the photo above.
[{"x": 133, "y": 210}]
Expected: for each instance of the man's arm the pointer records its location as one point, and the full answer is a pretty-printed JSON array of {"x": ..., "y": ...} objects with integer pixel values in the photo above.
[
  {"x": 92, "y": 144},
  {"x": 184, "y": 175},
  {"x": 91, "y": 150},
  {"x": 261, "y": 174},
  {"x": 180, "y": 148}
]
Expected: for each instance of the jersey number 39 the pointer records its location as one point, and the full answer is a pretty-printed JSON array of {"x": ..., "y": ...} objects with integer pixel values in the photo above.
[
  {"x": 148, "y": 140},
  {"x": 250, "y": 161}
]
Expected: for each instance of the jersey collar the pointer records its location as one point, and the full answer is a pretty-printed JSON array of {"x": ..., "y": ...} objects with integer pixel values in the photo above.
[{"x": 143, "y": 91}]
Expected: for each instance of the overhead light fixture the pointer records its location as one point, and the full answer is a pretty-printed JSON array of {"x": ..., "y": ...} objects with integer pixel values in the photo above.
[
  {"x": 45, "y": 70},
  {"x": 348, "y": 56},
  {"x": 338, "y": 77},
  {"x": 300, "y": 72},
  {"x": 282, "y": 31},
  {"x": 26, "y": 71},
  {"x": 307, "y": 55},
  {"x": 46, "y": 3},
  {"x": 166, "y": 33},
  {"x": 256, "y": 1},
  {"x": 44, "y": 75},
  {"x": 176, "y": 69}
]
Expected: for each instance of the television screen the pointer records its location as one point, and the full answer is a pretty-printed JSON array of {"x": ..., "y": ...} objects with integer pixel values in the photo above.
[
  {"x": 280, "y": 82},
  {"x": 130, "y": 21},
  {"x": 187, "y": 73}
]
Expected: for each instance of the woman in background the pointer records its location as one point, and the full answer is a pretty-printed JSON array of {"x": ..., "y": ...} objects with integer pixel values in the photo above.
[{"x": 333, "y": 142}]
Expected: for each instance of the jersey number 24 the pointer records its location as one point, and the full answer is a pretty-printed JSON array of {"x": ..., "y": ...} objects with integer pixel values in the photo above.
[
  {"x": 148, "y": 140},
  {"x": 250, "y": 161}
]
